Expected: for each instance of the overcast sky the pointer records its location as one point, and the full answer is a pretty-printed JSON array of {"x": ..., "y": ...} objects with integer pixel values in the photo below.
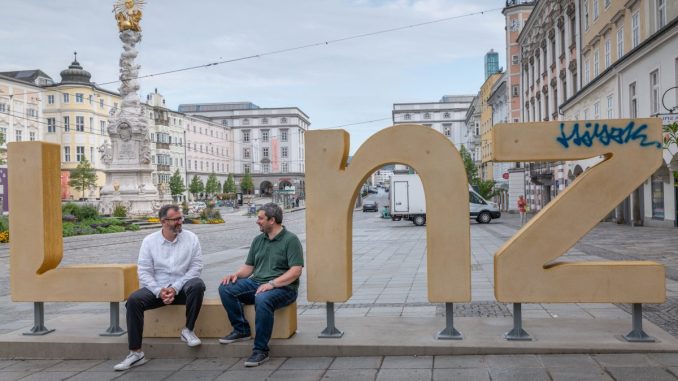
[{"x": 336, "y": 84}]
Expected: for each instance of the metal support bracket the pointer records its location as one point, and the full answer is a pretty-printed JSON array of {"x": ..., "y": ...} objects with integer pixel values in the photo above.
[
  {"x": 39, "y": 328},
  {"x": 517, "y": 333},
  {"x": 114, "y": 327},
  {"x": 449, "y": 332},
  {"x": 330, "y": 332},
  {"x": 637, "y": 335}
]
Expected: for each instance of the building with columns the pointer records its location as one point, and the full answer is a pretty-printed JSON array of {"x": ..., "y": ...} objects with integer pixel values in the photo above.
[
  {"x": 550, "y": 57},
  {"x": 268, "y": 143}
]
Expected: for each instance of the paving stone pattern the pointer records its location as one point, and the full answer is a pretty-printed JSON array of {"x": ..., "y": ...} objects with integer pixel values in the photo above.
[{"x": 636, "y": 367}]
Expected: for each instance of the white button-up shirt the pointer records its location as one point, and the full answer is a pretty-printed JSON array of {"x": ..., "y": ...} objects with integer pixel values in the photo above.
[{"x": 163, "y": 263}]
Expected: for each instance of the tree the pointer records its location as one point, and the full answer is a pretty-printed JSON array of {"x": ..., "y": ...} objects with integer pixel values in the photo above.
[
  {"x": 469, "y": 165},
  {"x": 246, "y": 184},
  {"x": 485, "y": 188},
  {"x": 196, "y": 185},
  {"x": 218, "y": 187},
  {"x": 83, "y": 177},
  {"x": 229, "y": 184},
  {"x": 176, "y": 184},
  {"x": 211, "y": 186}
]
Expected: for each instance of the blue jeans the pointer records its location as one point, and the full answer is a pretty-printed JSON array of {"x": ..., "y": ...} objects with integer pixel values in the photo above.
[{"x": 234, "y": 295}]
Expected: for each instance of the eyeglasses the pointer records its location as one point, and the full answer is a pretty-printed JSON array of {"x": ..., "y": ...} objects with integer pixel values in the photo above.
[{"x": 174, "y": 219}]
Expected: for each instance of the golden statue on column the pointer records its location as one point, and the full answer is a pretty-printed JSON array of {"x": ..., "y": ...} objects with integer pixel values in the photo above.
[{"x": 128, "y": 14}]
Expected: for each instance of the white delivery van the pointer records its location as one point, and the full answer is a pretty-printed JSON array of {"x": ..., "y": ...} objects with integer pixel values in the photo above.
[{"x": 407, "y": 202}]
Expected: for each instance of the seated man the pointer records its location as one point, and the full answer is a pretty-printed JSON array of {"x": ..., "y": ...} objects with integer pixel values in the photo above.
[
  {"x": 269, "y": 279},
  {"x": 169, "y": 266}
]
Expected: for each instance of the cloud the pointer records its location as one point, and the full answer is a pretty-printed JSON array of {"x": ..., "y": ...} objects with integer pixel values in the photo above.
[{"x": 336, "y": 83}]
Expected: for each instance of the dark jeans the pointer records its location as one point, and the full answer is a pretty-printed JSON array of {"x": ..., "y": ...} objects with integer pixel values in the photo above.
[
  {"x": 142, "y": 299},
  {"x": 234, "y": 295}
]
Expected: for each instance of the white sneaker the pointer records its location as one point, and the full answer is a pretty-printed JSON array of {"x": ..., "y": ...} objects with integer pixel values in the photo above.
[
  {"x": 190, "y": 338},
  {"x": 132, "y": 359}
]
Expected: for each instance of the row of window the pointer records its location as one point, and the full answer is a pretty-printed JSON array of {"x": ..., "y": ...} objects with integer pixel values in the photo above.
[
  {"x": 209, "y": 148},
  {"x": 633, "y": 100},
  {"x": 266, "y": 168},
  {"x": 79, "y": 98},
  {"x": 205, "y": 165},
  {"x": 18, "y": 135},
  {"x": 264, "y": 135},
  {"x": 199, "y": 130},
  {"x": 79, "y": 124},
  {"x": 607, "y": 49},
  {"x": 79, "y": 154},
  {"x": 426, "y": 115},
  {"x": 659, "y": 12},
  {"x": 246, "y": 152},
  {"x": 246, "y": 121}
]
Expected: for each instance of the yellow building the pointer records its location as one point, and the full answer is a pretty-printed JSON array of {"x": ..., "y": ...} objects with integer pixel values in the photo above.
[
  {"x": 486, "y": 170},
  {"x": 76, "y": 113}
]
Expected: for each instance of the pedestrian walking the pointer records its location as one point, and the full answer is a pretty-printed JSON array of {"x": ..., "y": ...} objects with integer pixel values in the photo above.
[
  {"x": 169, "y": 267},
  {"x": 522, "y": 208},
  {"x": 269, "y": 279}
]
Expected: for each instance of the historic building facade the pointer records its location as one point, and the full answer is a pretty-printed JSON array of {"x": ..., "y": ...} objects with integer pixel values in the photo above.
[
  {"x": 630, "y": 52},
  {"x": 550, "y": 58},
  {"x": 76, "y": 114},
  {"x": 268, "y": 143},
  {"x": 21, "y": 115},
  {"x": 447, "y": 116},
  {"x": 486, "y": 170}
]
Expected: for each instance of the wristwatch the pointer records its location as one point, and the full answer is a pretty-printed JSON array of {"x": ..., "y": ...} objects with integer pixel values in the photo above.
[{"x": 272, "y": 283}]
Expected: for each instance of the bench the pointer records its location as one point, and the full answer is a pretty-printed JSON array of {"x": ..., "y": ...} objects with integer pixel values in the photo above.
[
  {"x": 36, "y": 249},
  {"x": 213, "y": 321}
]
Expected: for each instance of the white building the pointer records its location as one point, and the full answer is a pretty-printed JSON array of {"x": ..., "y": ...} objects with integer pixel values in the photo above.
[
  {"x": 21, "y": 105},
  {"x": 21, "y": 115},
  {"x": 472, "y": 120},
  {"x": 447, "y": 116},
  {"x": 500, "y": 103},
  {"x": 268, "y": 143}
]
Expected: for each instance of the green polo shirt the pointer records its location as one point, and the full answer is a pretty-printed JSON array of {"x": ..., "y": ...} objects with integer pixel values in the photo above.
[{"x": 273, "y": 257}]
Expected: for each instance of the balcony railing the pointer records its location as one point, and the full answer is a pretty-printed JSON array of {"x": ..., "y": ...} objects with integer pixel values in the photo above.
[{"x": 163, "y": 168}]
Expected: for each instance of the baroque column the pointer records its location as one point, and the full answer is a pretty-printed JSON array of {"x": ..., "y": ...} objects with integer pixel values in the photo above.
[{"x": 128, "y": 177}]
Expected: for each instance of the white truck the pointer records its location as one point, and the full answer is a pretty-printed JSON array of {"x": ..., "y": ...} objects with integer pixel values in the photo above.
[{"x": 407, "y": 202}]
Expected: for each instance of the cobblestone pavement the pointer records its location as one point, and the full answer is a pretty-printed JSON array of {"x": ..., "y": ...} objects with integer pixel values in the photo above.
[
  {"x": 620, "y": 367},
  {"x": 389, "y": 263}
]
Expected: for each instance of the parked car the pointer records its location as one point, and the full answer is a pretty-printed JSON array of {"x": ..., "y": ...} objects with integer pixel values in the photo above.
[{"x": 370, "y": 206}]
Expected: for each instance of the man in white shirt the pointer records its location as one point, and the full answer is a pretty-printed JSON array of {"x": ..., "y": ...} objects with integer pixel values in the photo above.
[{"x": 169, "y": 267}]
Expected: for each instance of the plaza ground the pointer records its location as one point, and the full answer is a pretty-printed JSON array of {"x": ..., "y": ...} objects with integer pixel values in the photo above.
[{"x": 389, "y": 299}]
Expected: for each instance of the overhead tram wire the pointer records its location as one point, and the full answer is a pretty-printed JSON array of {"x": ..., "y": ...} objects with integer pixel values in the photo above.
[
  {"x": 60, "y": 125},
  {"x": 300, "y": 47},
  {"x": 210, "y": 139}
]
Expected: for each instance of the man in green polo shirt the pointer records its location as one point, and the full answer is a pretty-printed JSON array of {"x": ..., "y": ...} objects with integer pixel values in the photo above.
[{"x": 269, "y": 279}]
